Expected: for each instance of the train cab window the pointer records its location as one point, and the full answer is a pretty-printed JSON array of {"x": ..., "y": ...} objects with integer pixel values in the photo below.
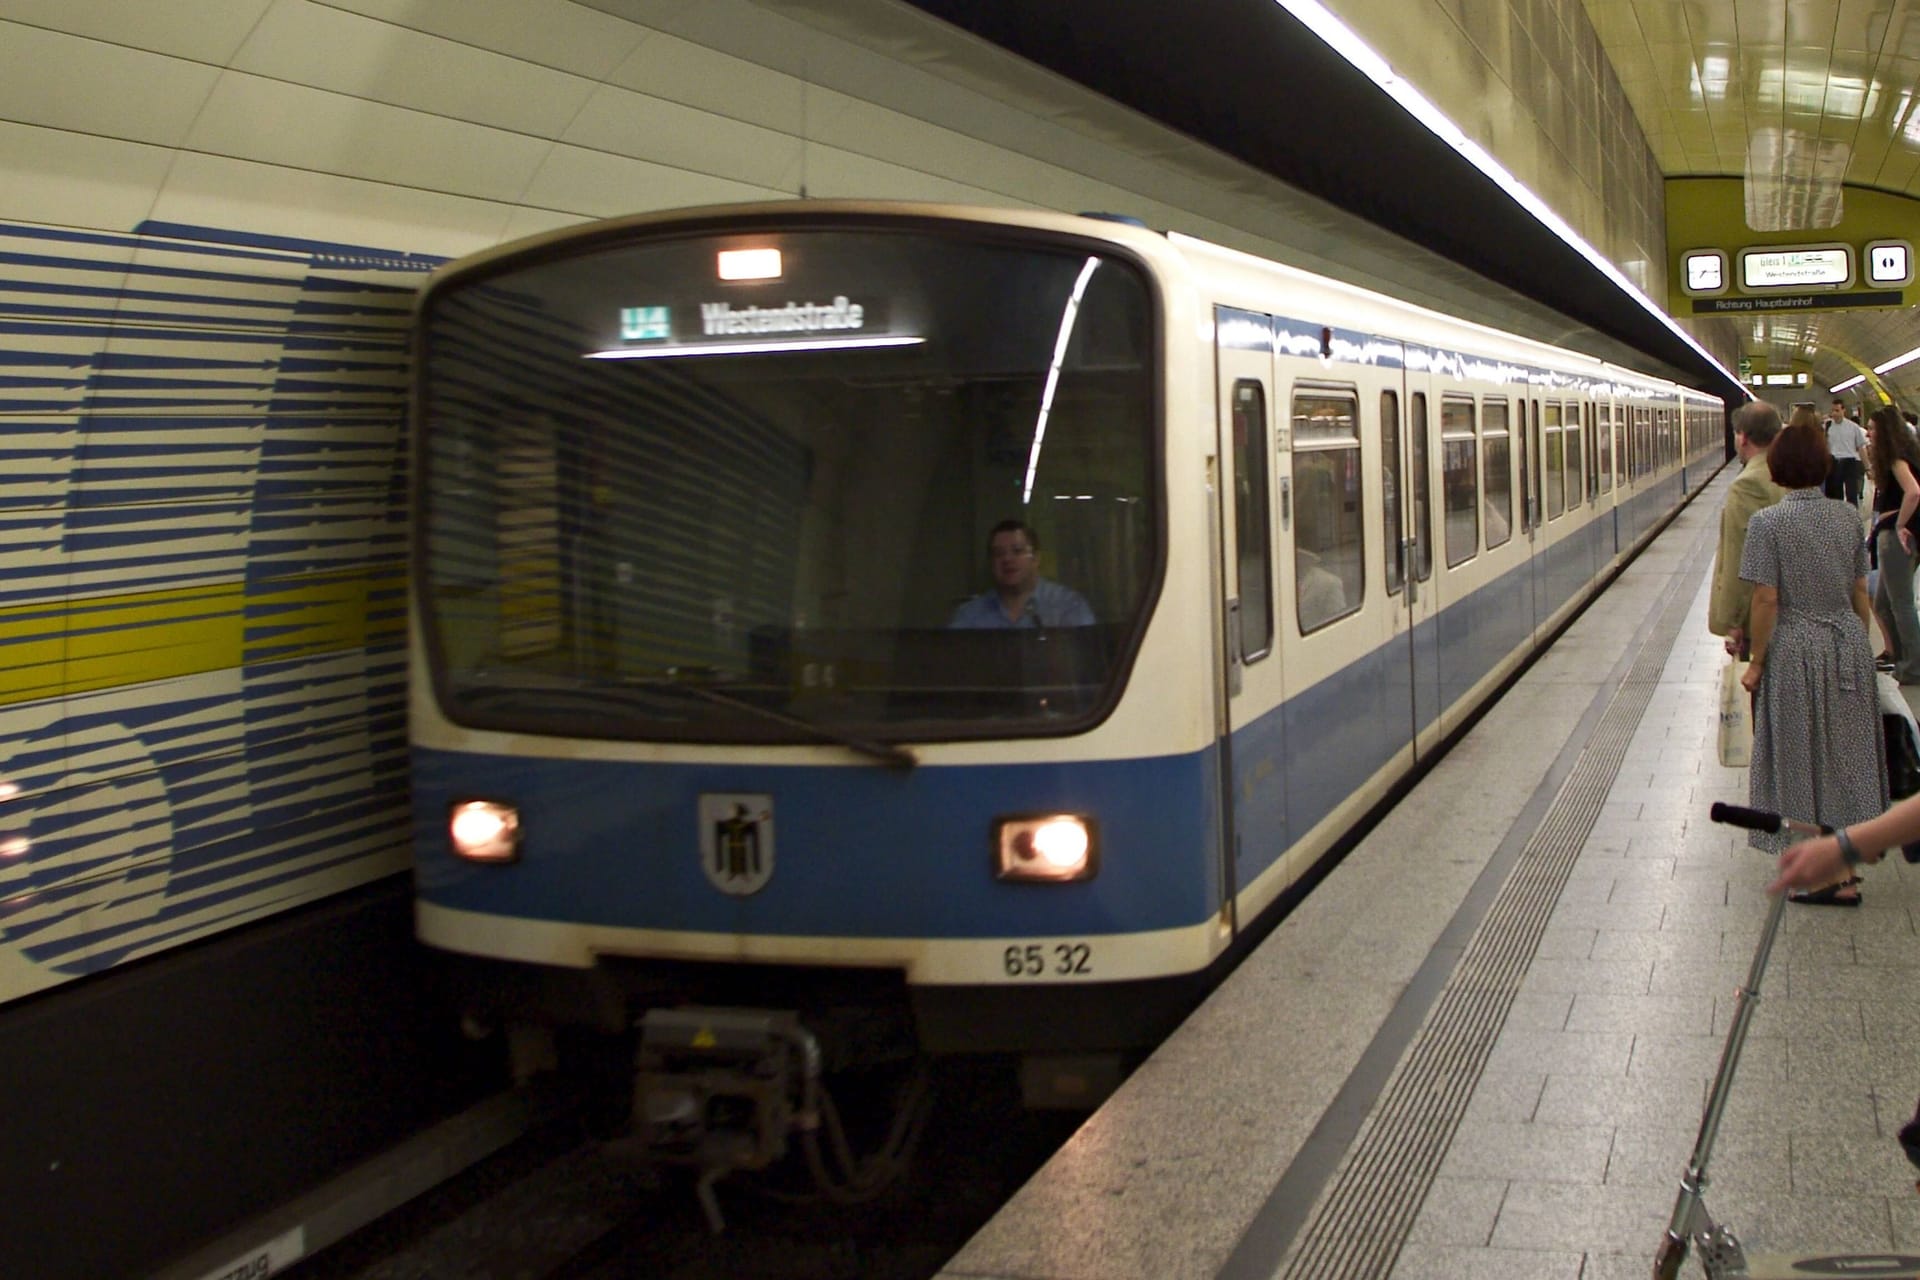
[
  {"x": 743, "y": 542},
  {"x": 1421, "y": 535},
  {"x": 1392, "y": 485},
  {"x": 1556, "y": 448},
  {"x": 1252, "y": 518},
  {"x": 1459, "y": 478},
  {"x": 1329, "y": 579},
  {"x": 1496, "y": 495},
  {"x": 1576, "y": 459}
]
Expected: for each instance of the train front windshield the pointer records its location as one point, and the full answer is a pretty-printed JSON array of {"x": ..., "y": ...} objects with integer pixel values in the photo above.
[{"x": 744, "y": 487}]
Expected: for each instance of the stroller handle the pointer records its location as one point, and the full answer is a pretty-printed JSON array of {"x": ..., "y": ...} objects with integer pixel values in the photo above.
[{"x": 1734, "y": 815}]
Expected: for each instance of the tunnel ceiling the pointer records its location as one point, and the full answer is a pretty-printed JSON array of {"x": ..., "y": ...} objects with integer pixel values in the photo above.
[{"x": 1798, "y": 101}]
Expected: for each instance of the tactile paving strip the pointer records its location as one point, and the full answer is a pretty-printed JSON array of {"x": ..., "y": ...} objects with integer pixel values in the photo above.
[{"x": 1357, "y": 1230}]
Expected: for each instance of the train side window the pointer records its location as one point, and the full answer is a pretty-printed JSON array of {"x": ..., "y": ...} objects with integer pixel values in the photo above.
[
  {"x": 1556, "y": 447},
  {"x": 1422, "y": 534},
  {"x": 1603, "y": 431},
  {"x": 1391, "y": 487},
  {"x": 1329, "y": 579},
  {"x": 1576, "y": 459},
  {"x": 1253, "y": 519},
  {"x": 1496, "y": 499},
  {"x": 1593, "y": 452},
  {"x": 1459, "y": 478},
  {"x": 1526, "y": 508},
  {"x": 1594, "y": 441}
]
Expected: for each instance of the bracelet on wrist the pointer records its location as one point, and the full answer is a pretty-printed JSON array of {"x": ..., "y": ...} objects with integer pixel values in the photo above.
[{"x": 1849, "y": 851}]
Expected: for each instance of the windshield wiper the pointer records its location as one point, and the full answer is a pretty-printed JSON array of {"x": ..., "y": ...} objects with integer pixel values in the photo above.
[{"x": 887, "y": 753}]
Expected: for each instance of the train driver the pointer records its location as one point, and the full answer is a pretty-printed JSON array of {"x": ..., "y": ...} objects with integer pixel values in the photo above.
[{"x": 1020, "y": 596}]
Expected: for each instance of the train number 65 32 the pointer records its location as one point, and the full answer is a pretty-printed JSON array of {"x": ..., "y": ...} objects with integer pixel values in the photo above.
[{"x": 1040, "y": 959}]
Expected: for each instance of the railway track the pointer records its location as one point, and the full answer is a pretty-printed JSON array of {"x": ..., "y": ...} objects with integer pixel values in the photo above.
[{"x": 556, "y": 1205}]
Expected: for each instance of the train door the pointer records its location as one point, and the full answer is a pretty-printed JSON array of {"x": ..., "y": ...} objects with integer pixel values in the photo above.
[
  {"x": 1406, "y": 454},
  {"x": 1252, "y": 477}
]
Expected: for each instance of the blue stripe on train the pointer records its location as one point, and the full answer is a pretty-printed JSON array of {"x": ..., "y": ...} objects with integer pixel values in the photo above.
[{"x": 862, "y": 851}]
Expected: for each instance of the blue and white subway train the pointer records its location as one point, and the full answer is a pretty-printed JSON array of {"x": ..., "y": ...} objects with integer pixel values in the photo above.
[{"x": 697, "y": 496}]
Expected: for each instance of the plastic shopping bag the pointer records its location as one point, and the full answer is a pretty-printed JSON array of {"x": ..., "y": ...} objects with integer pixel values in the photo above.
[{"x": 1736, "y": 717}]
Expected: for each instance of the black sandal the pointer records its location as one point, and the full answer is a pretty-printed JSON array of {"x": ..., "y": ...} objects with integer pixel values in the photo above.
[{"x": 1831, "y": 896}]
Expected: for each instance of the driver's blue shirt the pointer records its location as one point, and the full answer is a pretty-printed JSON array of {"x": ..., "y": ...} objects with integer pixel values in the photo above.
[{"x": 1050, "y": 605}]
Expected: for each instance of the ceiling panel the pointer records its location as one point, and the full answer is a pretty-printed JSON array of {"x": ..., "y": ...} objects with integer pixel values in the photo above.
[{"x": 1802, "y": 98}]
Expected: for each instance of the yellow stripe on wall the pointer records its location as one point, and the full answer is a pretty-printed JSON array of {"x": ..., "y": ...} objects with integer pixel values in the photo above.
[{"x": 107, "y": 642}]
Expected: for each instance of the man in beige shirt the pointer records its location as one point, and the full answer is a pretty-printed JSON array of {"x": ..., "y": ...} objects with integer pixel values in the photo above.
[{"x": 1755, "y": 424}]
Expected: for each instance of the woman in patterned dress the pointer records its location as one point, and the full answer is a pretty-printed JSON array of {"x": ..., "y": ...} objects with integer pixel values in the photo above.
[{"x": 1817, "y": 751}]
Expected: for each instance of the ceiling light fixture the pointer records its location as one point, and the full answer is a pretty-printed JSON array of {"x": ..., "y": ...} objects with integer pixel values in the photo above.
[{"x": 1897, "y": 361}]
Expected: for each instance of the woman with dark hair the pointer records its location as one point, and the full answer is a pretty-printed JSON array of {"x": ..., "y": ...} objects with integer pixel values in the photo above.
[
  {"x": 1817, "y": 750},
  {"x": 1896, "y": 498}
]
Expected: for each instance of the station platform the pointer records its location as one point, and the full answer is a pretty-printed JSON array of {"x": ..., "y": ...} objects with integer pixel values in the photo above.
[{"x": 1481, "y": 1047}]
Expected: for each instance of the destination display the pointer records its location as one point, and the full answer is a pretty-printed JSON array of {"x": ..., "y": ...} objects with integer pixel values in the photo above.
[
  {"x": 1828, "y": 266},
  {"x": 742, "y": 328}
]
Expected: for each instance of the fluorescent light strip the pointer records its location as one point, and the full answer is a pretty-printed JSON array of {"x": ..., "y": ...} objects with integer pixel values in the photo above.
[
  {"x": 749, "y": 348},
  {"x": 1067, "y": 315},
  {"x": 1897, "y": 361},
  {"x": 1850, "y": 382},
  {"x": 1342, "y": 40}
]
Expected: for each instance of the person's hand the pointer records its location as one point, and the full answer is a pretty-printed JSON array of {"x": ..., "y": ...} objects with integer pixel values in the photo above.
[
  {"x": 1750, "y": 678},
  {"x": 1736, "y": 641},
  {"x": 1810, "y": 864},
  {"x": 1906, "y": 540}
]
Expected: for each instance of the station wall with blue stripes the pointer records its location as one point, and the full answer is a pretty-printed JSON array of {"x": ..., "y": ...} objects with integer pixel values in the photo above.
[{"x": 202, "y": 561}]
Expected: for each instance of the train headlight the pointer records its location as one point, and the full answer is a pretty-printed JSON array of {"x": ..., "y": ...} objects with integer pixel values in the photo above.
[
  {"x": 484, "y": 830},
  {"x": 1050, "y": 847}
]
